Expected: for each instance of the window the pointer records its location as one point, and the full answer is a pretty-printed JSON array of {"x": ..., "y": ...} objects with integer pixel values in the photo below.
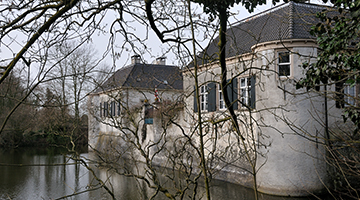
[
  {"x": 232, "y": 93},
  {"x": 203, "y": 98},
  {"x": 284, "y": 64},
  {"x": 345, "y": 95},
  {"x": 105, "y": 110},
  {"x": 112, "y": 108},
  {"x": 247, "y": 91},
  {"x": 149, "y": 114},
  {"x": 221, "y": 100},
  {"x": 245, "y": 88},
  {"x": 209, "y": 101},
  {"x": 349, "y": 95},
  {"x": 207, "y": 97}
]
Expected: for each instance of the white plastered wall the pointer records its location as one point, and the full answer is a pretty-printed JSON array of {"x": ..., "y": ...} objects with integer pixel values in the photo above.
[{"x": 290, "y": 121}]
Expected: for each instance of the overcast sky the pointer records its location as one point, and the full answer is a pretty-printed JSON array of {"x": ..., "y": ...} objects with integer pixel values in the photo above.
[
  {"x": 153, "y": 43},
  {"x": 156, "y": 47}
]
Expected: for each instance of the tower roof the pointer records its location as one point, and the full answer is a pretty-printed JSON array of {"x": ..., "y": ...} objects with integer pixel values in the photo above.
[
  {"x": 145, "y": 76},
  {"x": 286, "y": 21}
]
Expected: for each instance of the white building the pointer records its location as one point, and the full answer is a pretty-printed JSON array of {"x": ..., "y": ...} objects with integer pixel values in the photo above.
[
  {"x": 132, "y": 95},
  {"x": 283, "y": 128}
]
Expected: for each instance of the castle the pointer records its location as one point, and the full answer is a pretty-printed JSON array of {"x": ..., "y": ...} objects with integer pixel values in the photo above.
[{"x": 282, "y": 128}]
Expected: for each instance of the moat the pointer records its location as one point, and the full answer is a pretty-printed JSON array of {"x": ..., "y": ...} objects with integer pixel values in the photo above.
[{"x": 40, "y": 173}]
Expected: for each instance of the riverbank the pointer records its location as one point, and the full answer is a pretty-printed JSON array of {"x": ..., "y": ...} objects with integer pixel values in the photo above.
[{"x": 44, "y": 139}]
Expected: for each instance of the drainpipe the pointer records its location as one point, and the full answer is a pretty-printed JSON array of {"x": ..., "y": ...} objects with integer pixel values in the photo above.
[{"x": 327, "y": 135}]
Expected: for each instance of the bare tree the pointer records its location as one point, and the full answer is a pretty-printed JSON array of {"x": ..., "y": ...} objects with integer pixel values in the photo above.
[{"x": 194, "y": 152}]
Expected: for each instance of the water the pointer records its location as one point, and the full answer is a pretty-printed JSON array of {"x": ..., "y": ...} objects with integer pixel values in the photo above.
[{"x": 41, "y": 177}]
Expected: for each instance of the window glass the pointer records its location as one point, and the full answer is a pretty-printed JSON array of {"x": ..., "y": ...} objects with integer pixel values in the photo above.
[
  {"x": 221, "y": 100},
  {"x": 149, "y": 114},
  {"x": 245, "y": 88},
  {"x": 349, "y": 92},
  {"x": 284, "y": 63},
  {"x": 284, "y": 57},
  {"x": 203, "y": 98}
]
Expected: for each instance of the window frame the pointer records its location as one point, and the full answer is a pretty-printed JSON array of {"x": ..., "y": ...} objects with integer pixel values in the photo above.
[
  {"x": 204, "y": 98},
  {"x": 349, "y": 99},
  {"x": 112, "y": 108},
  {"x": 106, "y": 109},
  {"x": 247, "y": 88},
  {"x": 342, "y": 96},
  {"x": 250, "y": 92},
  {"x": 148, "y": 114},
  {"x": 279, "y": 63},
  {"x": 221, "y": 101}
]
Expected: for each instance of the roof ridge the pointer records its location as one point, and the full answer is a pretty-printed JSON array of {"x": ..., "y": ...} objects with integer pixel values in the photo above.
[
  {"x": 273, "y": 9},
  {"x": 291, "y": 19},
  {"x": 270, "y": 10},
  {"x": 311, "y": 5}
]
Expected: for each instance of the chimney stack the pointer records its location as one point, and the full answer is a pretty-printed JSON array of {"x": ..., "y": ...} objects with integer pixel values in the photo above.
[
  {"x": 135, "y": 59},
  {"x": 160, "y": 60}
]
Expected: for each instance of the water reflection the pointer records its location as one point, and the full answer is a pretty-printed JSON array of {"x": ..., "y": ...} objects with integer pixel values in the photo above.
[
  {"x": 39, "y": 182},
  {"x": 52, "y": 182}
]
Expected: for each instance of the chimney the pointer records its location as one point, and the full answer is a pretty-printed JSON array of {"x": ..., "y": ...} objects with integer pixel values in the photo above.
[
  {"x": 160, "y": 60},
  {"x": 135, "y": 59}
]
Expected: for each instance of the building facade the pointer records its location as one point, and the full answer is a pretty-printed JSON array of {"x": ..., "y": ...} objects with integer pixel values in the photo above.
[
  {"x": 282, "y": 130},
  {"x": 132, "y": 95}
]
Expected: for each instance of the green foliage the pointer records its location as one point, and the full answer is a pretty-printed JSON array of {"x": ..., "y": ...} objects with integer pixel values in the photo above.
[
  {"x": 354, "y": 116},
  {"x": 338, "y": 60},
  {"x": 338, "y": 63}
]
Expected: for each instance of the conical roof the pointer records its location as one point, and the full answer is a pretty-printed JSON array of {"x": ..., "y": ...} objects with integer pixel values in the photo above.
[{"x": 287, "y": 21}]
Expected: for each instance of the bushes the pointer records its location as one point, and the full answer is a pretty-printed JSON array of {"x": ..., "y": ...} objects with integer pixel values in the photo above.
[{"x": 40, "y": 138}]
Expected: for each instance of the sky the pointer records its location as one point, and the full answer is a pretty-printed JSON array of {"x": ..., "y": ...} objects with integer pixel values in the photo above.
[
  {"x": 157, "y": 48},
  {"x": 154, "y": 46}
]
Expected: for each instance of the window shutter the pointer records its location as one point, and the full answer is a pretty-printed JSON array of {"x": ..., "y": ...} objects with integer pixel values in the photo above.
[
  {"x": 229, "y": 90},
  {"x": 252, "y": 93},
  {"x": 234, "y": 86},
  {"x": 232, "y": 93},
  {"x": 119, "y": 107},
  {"x": 211, "y": 97},
  {"x": 339, "y": 95},
  {"x": 112, "y": 108},
  {"x": 106, "y": 112},
  {"x": 101, "y": 109},
  {"x": 195, "y": 102}
]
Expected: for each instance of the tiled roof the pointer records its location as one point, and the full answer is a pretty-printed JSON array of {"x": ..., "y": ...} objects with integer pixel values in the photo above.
[
  {"x": 145, "y": 76},
  {"x": 287, "y": 21}
]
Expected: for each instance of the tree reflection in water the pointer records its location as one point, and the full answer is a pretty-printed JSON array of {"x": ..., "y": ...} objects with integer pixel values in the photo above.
[{"x": 38, "y": 181}]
